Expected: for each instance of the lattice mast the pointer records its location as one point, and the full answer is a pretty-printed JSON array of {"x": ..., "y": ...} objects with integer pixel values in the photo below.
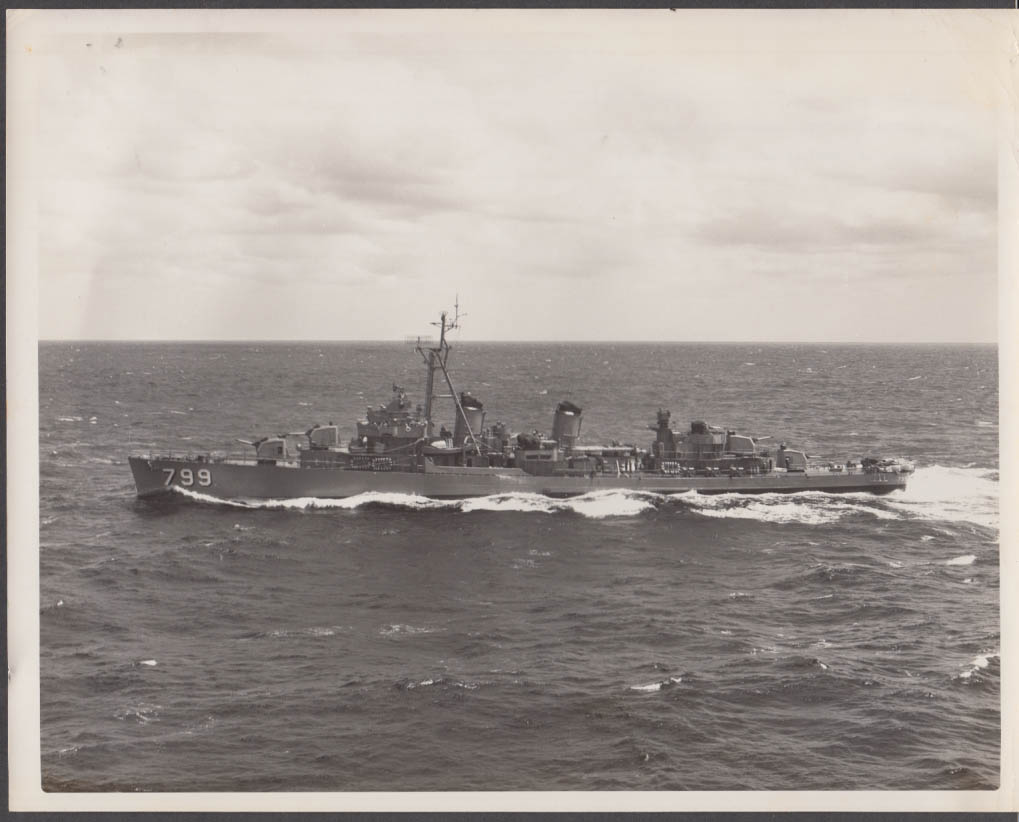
[{"x": 435, "y": 358}]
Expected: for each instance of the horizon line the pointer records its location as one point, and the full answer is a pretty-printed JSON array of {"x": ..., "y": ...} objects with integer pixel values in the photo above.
[{"x": 276, "y": 341}]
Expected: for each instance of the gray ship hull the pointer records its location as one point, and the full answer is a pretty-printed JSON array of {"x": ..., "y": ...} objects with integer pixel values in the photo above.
[{"x": 155, "y": 476}]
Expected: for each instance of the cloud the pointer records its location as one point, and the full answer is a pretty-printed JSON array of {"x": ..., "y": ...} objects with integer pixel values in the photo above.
[
  {"x": 807, "y": 232},
  {"x": 620, "y": 171}
]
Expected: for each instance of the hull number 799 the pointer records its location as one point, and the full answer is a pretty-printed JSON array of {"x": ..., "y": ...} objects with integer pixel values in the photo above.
[{"x": 187, "y": 477}]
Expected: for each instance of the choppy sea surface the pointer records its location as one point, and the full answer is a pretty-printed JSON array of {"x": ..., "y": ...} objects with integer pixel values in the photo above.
[{"x": 615, "y": 641}]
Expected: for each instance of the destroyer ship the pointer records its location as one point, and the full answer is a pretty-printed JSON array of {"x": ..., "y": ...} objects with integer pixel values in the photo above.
[{"x": 397, "y": 450}]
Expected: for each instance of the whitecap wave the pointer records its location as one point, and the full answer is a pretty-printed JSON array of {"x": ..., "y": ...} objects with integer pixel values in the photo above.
[
  {"x": 651, "y": 687},
  {"x": 315, "y": 631},
  {"x": 467, "y": 686},
  {"x": 143, "y": 714},
  {"x": 967, "y": 559},
  {"x": 454, "y": 683},
  {"x": 979, "y": 662},
  {"x": 405, "y": 630}
]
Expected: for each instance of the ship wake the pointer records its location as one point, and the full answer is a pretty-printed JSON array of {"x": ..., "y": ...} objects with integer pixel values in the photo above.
[
  {"x": 960, "y": 496},
  {"x": 596, "y": 505},
  {"x": 935, "y": 494}
]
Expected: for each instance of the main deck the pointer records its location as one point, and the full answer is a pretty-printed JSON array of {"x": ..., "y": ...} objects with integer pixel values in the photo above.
[{"x": 235, "y": 479}]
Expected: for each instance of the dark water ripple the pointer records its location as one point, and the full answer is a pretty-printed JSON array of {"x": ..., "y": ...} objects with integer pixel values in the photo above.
[{"x": 609, "y": 643}]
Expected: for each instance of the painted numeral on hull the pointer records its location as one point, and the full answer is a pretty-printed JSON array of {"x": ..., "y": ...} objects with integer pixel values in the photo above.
[{"x": 187, "y": 477}]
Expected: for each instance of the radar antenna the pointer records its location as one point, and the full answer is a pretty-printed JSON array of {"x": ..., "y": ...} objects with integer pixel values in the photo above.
[{"x": 456, "y": 313}]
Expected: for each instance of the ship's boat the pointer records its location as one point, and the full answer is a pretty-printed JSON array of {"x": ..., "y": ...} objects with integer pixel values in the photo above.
[{"x": 396, "y": 448}]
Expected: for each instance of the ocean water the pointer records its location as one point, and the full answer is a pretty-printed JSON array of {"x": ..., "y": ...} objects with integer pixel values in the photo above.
[{"x": 615, "y": 641}]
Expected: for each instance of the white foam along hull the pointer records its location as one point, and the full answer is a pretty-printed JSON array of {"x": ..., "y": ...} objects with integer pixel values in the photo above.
[{"x": 156, "y": 476}]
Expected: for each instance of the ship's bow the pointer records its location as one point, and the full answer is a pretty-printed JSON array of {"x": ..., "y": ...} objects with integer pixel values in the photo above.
[{"x": 149, "y": 480}]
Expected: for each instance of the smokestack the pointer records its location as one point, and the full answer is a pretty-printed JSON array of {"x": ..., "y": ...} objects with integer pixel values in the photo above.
[
  {"x": 475, "y": 413},
  {"x": 566, "y": 423}
]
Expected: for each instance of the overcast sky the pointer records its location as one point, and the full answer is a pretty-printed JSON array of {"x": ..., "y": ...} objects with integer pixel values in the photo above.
[{"x": 654, "y": 175}]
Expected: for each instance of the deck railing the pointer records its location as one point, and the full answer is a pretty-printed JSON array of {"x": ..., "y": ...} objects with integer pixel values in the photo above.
[
  {"x": 208, "y": 456},
  {"x": 357, "y": 462}
]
